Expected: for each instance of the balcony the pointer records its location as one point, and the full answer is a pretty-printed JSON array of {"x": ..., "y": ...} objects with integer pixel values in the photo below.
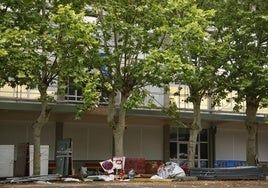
[{"x": 177, "y": 95}]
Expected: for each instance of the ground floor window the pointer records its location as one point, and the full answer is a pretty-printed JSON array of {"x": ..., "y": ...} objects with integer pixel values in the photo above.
[{"x": 178, "y": 142}]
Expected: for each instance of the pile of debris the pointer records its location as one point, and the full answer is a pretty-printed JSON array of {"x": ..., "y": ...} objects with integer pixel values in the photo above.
[{"x": 112, "y": 169}]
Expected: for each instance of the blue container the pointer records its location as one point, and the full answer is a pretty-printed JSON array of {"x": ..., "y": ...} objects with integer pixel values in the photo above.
[
  {"x": 229, "y": 163},
  {"x": 131, "y": 174}
]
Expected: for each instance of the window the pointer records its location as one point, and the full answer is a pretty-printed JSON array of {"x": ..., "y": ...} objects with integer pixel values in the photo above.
[
  {"x": 72, "y": 94},
  {"x": 178, "y": 141}
]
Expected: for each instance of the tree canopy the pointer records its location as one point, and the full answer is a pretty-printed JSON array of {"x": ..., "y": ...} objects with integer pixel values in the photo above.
[
  {"x": 43, "y": 44},
  {"x": 244, "y": 25}
]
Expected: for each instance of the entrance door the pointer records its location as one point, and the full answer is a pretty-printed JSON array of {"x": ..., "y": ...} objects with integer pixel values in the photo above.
[{"x": 178, "y": 143}]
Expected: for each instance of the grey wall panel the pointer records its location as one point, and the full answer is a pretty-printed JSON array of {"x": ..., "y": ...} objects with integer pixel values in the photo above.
[
  {"x": 90, "y": 142},
  {"x": 230, "y": 144},
  {"x": 48, "y": 138},
  {"x": 152, "y": 142},
  {"x": 78, "y": 134},
  {"x": 262, "y": 145},
  {"x": 15, "y": 132},
  {"x": 144, "y": 141},
  {"x": 133, "y": 142},
  {"x": 100, "y": 142}
]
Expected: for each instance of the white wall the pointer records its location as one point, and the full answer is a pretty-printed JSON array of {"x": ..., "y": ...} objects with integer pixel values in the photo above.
[
  {"x": 231, "y": 144},
  {"x": 144, "y": 141},
  {"x": 6, "y": 160},
  {"x": 44, "y": 151},
  {"x": 262, "y": 145}
]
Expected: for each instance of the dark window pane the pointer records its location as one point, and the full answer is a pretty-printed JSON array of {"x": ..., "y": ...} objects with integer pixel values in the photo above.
[
  {"x": 196, "y": 163},
  {"x": 196, "y": 152},
  {"x": 203, "y": 164},
  {"x": 204, "y": 151},
  {"x": 173, "y": 150},
  {"x": 183, "y": 151},
  {"x": 204, "y": 135},
  {"x": 183, "y": 134},
  {"x": 173, "y": 133}
]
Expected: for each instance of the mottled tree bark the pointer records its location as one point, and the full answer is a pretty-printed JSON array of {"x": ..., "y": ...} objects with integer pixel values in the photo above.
[
  {"x": 37, "y": 128},
  {"x": 117, "y": 124},
  {"x": 195, "y": 129},
  {"x": 251, "y": 127}
]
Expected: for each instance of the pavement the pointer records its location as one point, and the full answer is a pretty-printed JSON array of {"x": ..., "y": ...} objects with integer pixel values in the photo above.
[{"x": 144, "y": 184}]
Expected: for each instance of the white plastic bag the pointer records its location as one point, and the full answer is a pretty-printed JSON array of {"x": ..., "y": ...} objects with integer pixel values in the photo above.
[{"x": 170, "y": 170}]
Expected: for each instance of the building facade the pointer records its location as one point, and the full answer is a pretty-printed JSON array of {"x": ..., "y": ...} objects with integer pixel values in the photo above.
[{"x": 150, "y": 134}]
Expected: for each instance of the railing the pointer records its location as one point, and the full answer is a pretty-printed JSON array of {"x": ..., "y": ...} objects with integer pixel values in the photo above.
[{"x": 21, "y": 93}]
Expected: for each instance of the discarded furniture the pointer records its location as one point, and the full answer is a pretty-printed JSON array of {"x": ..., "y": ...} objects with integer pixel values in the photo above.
[
  {"x": 64, "y": 162},
  {"x": 6, "y": 160}
]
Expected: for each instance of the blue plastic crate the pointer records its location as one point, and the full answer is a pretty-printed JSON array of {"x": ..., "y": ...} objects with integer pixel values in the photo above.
[{"x": 229, "y": 163}]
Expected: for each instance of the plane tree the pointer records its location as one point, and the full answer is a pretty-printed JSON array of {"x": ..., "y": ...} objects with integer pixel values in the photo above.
[
  {"x": 191, "y": 39},
  {"x": 244, "y": 25},
  {"x": 44, "y": 44},
  {"x": 197, "y": 49},
  {"x": 127, "y": 32},
  {"x": 150, "y": 45}
]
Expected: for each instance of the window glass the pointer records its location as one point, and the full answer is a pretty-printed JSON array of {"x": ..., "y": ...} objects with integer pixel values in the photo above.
[
  {"x": 183, "y": 134},
  {"x": 203, "y": 135},
  {"x": 173, "y": 134},
  {"x": 203, "y": 150},
  {"x": 203, "y": 164},
  {"x": 173, "y": 150},
  {"x": 179, "y": 138},
  {"x": 196, "y": 152},
  {"x": 183, "y": 151}
]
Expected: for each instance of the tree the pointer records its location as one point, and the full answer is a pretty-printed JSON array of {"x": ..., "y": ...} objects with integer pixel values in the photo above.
[
  {"x": 197, "y": 50},
  {"x": 191, "y": 40},
  {"x": 54, "y": 44},
  {"x": 128, "y": 30},
  {"x": 244, "y": 24},
  {"x": 167, "y": 34}
]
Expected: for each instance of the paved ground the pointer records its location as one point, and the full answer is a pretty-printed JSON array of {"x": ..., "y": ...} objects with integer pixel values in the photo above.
[{"x": 178, "y": 184}]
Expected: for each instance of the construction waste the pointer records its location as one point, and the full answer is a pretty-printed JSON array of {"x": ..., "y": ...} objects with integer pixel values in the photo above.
[{"x": 169, "y": 170}]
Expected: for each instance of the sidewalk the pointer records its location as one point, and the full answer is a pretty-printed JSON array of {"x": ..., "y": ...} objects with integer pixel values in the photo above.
[{"x": 145, "y": 184}]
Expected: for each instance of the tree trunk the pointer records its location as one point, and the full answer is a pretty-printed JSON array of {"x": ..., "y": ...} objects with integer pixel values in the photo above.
[
  {"x": 111, "y": 110},
  {"x": 37, "y": 128},
  {"x": 195, "y": 128},
  {"x": 251, "y": 126},
  {"x": 119, "y": 131},
  {"x": 117, "y": 123}
]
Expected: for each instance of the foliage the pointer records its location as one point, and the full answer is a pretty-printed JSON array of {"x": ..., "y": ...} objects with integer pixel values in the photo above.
[
  {"x": 126, "y": 31},
  {"x": 58, "y": 48},
  {"x": 245, "y": 24},
  {"x": 44, "y": 44}
]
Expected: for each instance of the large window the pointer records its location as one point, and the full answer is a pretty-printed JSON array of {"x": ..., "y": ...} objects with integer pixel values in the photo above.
[{"x": 179, "y": 138}]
